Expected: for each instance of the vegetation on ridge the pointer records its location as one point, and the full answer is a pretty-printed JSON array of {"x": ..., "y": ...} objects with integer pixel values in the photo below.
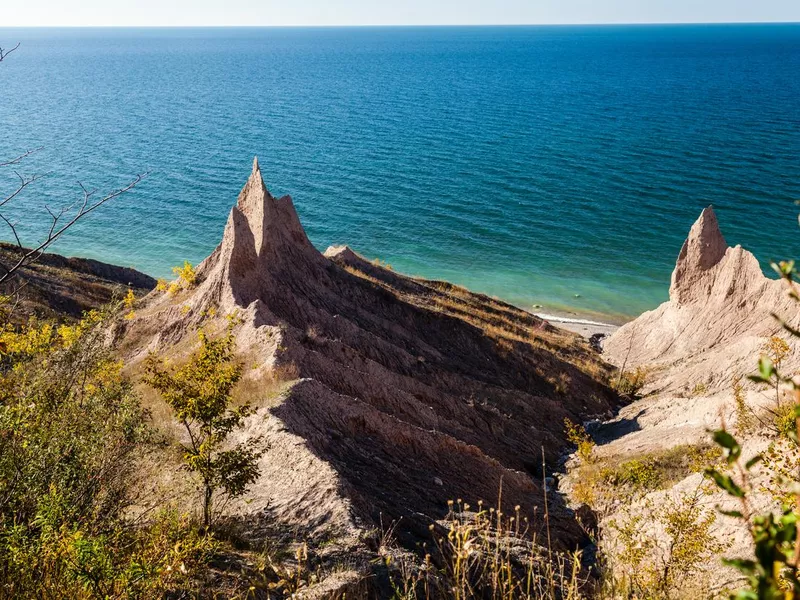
[
  {"x": 199, "y": 393},
  {"x": 71, "y": 432}
]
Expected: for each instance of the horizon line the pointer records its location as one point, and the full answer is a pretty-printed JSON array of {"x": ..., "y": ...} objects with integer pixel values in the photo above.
[{"x": 400, "y": 25}]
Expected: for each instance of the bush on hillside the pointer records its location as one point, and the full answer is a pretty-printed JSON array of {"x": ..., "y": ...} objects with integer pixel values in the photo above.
[{"x": 71, "y": 429}]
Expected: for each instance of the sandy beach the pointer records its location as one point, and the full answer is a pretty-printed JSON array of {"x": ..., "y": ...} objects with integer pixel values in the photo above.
[{"x": 586, "y": 327}]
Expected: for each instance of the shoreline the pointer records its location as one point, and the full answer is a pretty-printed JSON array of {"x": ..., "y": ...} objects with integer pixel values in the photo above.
[{"x": 582, "y": 324}]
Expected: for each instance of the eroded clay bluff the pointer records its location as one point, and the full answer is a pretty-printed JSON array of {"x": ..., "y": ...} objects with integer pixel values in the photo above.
[
  {"x": 715, "y": 324},
  {"x": 692, "y": 349},
  {"x": 401, "y": 394}
]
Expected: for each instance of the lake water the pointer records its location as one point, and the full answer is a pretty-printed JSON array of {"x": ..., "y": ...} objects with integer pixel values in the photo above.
[{"x": 560, "y": 166}]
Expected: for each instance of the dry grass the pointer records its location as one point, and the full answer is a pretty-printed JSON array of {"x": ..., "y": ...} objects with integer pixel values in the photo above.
[
  {"x": 605, "y": 480},
  {"x": 484, "y": 553},
  {"x": 511, "y": 328},
  {"x": 264, "y": 389}
]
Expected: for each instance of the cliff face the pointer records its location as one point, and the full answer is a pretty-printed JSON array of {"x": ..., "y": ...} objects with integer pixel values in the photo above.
[
  {"x": 716, "y": 320},
  {"x": 404, "y": 393},
  {"x": 713, "y": 329}
]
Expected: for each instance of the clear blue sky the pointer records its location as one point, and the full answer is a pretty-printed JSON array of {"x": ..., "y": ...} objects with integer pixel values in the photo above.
[{"x": 387, "y": 12}]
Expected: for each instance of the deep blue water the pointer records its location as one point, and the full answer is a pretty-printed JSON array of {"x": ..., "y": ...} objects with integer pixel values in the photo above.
[{"x": 532, "y": 163}]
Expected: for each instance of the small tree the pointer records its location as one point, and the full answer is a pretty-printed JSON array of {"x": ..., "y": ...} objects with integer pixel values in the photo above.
[{"x": 199, "y": 393}]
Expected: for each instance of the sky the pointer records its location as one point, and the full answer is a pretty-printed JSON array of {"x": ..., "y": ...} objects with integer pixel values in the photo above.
[{"x": 386, "y": 12}]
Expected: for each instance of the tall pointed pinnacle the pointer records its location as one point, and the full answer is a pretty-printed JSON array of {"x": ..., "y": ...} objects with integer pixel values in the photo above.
[
  {"x": 701, "y": 251},
  {"x": 261, "y": 227},
  {"x": 257, "y": 206},
  {"x": 254, "y": 187}
]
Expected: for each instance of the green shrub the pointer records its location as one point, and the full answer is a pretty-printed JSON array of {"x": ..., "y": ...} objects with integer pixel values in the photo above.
[
  {"x": 71, "y": 431},
  {"x": 639, "y": 473},
  {"x": 631, "y": 383},
  {"x": 577, "y": 435}
]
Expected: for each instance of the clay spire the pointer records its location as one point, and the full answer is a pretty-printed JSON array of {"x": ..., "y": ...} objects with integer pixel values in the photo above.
[{"x": 701, "y": 251}]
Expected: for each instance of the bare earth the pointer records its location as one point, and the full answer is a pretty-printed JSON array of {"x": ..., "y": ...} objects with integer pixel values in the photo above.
[
  {"x": 712, "y": 329},
  {"x": 381, "y": 396}
]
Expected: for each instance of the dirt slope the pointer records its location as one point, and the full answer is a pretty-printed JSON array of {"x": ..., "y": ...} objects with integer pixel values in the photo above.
[
  {"x": 56, "y": 287},
  {"x": 404, "y": 393},
  {"x": 713, "y": 328}
]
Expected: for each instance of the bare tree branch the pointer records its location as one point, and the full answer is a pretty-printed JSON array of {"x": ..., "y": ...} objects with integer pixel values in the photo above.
[
  {"x": 13, "y": 228},
  {"x": 23, "y": 183},
  {"x": 4, "y": 53},
  {"x": 22, "y": 156},
  {"x": 56, "y": 226}
]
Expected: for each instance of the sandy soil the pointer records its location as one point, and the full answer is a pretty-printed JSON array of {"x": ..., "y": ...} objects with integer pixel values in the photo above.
[{"x": 587, "y": 327}]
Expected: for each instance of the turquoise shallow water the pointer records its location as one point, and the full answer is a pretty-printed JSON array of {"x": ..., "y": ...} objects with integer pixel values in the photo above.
[{"x": 531, "y": 163}]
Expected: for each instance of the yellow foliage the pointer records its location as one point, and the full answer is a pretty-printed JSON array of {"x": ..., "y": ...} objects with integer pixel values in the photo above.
[
  {"x": 70, "y": 334},
  {"x": 745, "y": 419},
  {"x": 186, "y": 278},
  {"x": 130, "y": 299},
  {"x": 30, "y": 340},
  {"x": 576, "y": 434},
  {"x": 777, "y": 349},
  {"x": 186, "y": 273},
  {"x": 659, "y": 566},
  {"x": 631, "y": 383},
  {"x": 640, "y": 473},
  {"x": 783, "y": 419},
  {"x": 210, "y": 312},
  {"x": 106, "y": 372},
  {"x": 35, "y": 337}
]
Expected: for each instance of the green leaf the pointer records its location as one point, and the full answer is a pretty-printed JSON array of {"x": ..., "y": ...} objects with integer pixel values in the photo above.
[
  {"x": 731, "y": 513},
  {"x": 753, "y": 461},
  {"x": 725, "y": 483},
  {"x": 727, "y": 441},
  {"x": 740, "y": 564},
  {"x": 766, "y": 368}
]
